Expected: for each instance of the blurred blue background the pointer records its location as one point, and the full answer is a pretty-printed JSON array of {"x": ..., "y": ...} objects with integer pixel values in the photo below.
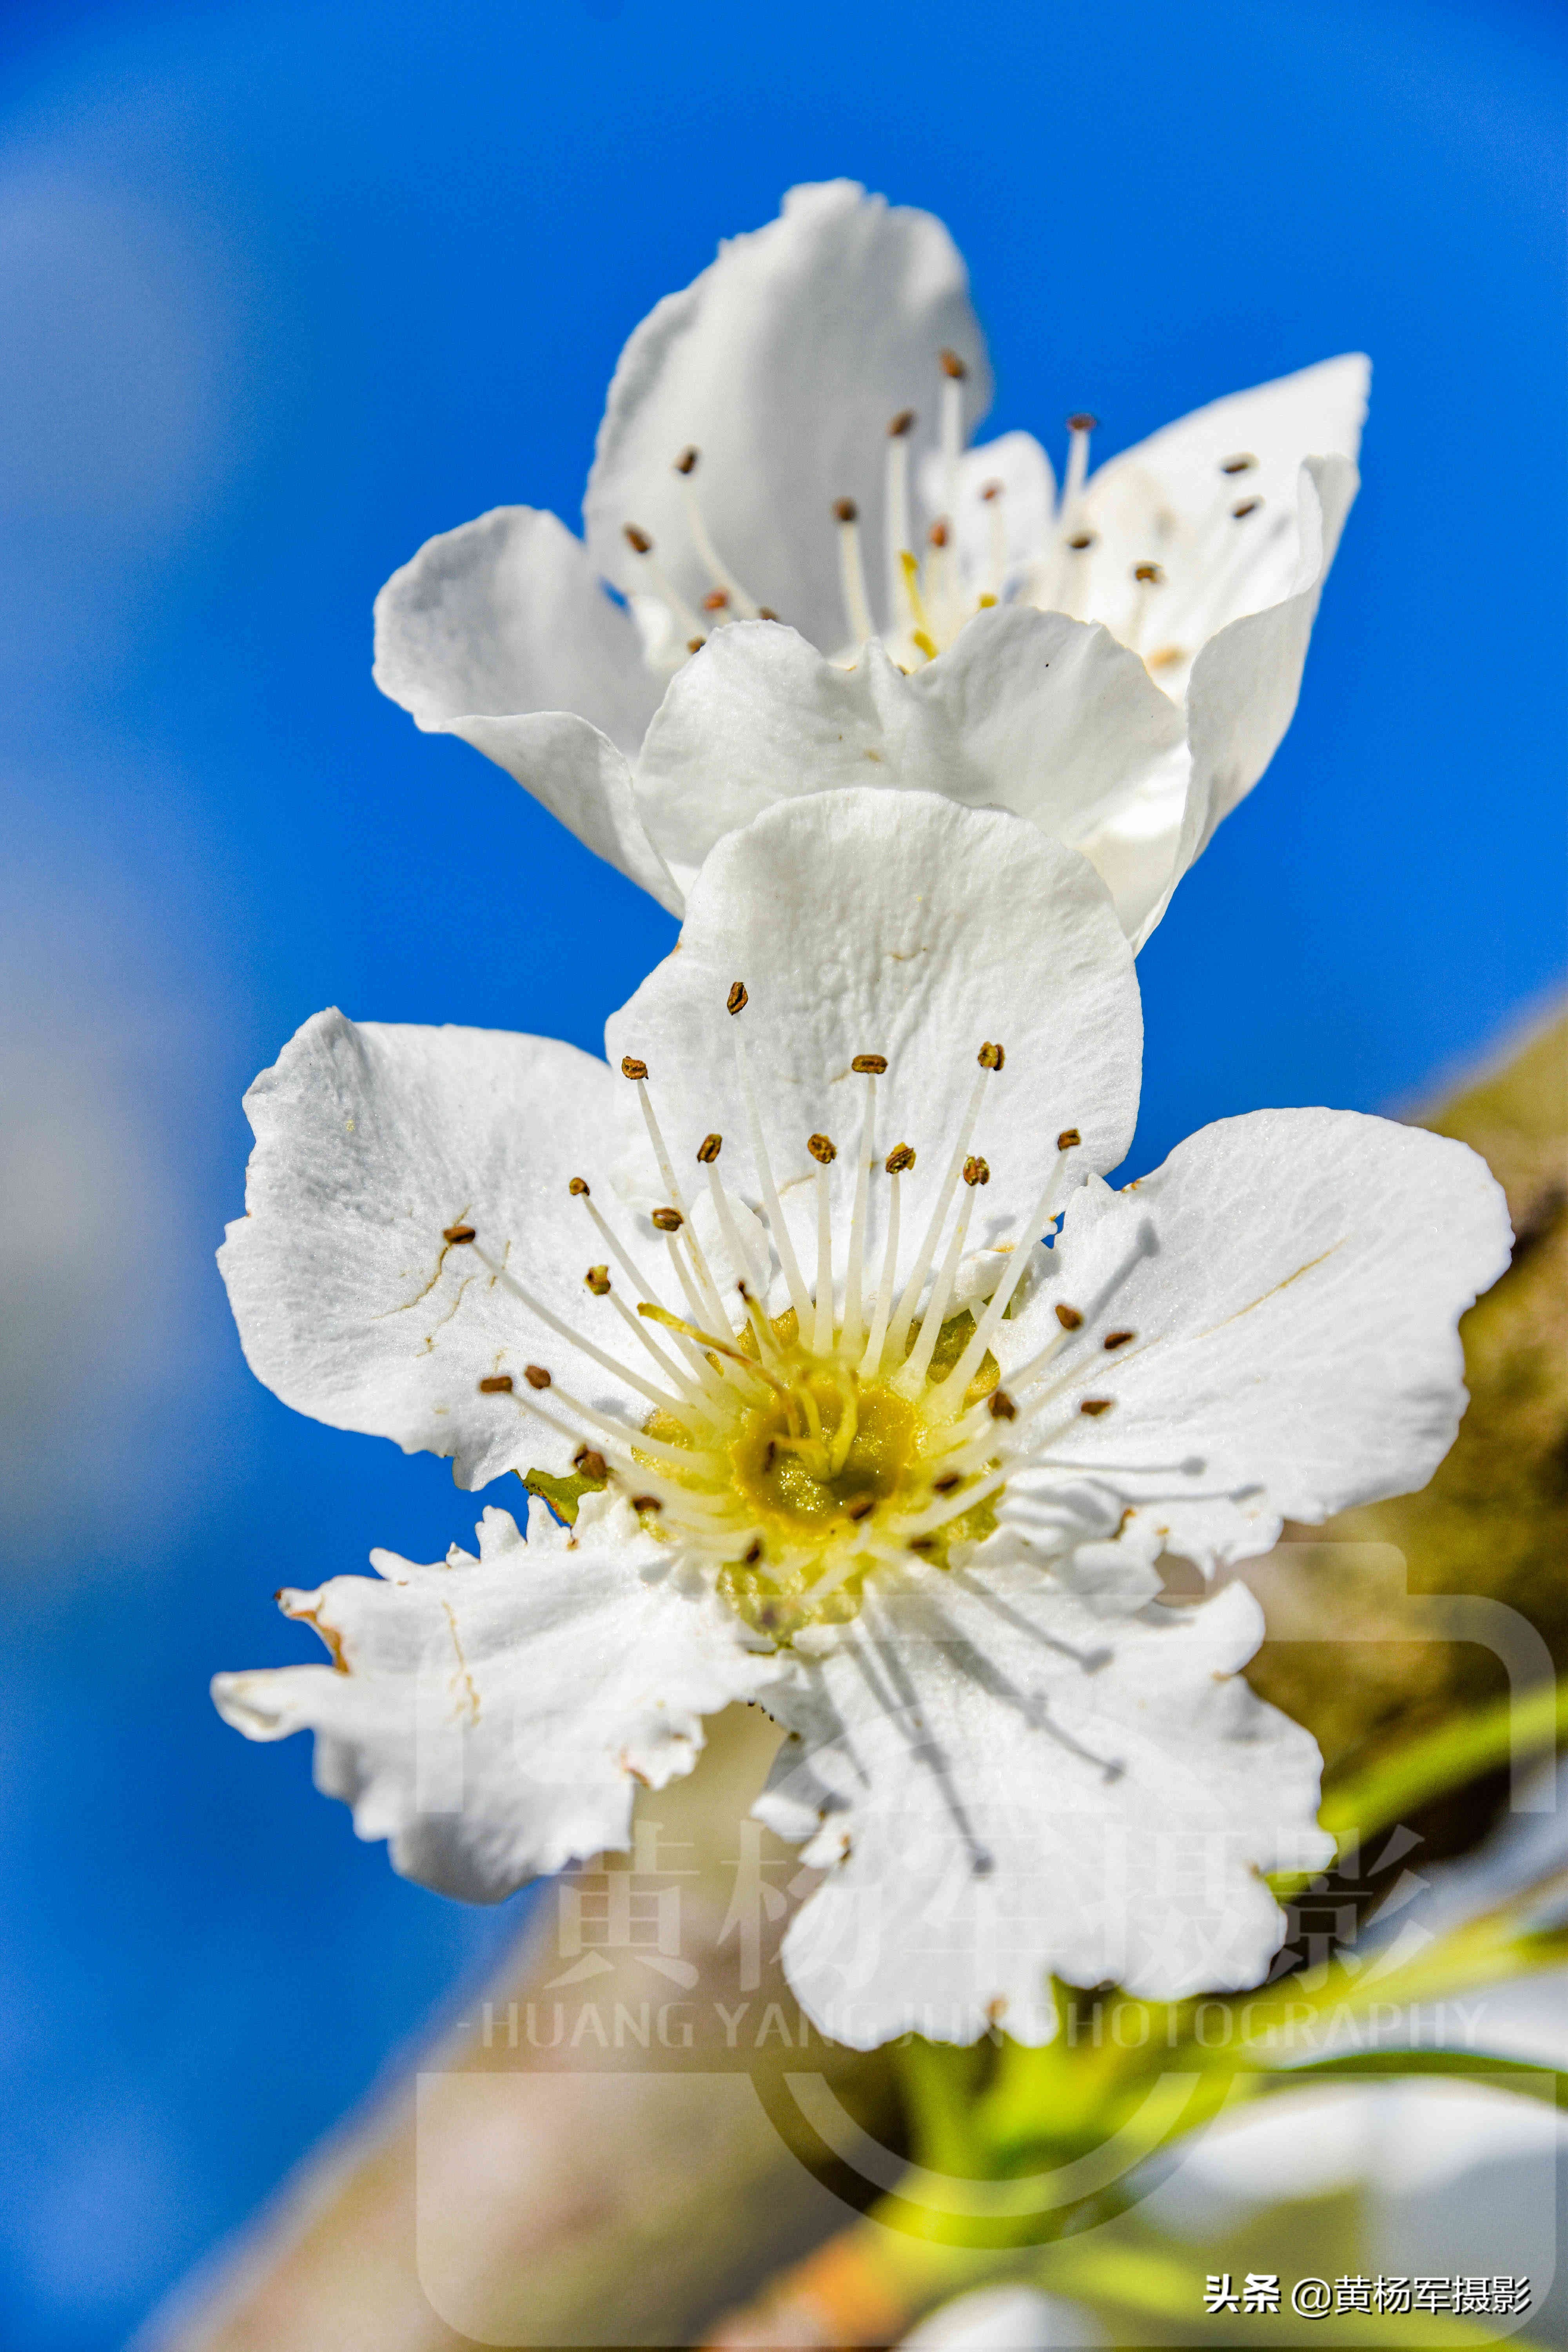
[{"x": 283, "y": 289}]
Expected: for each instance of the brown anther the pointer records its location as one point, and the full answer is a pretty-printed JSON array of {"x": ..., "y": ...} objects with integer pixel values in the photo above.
[
  {"x": 860, "y": 1508},
  {"x": 991, "y": 1057},
  {"x": 1080, "y": 421},
  {"x": 1241, "y": 465},
  {"x": 1149, "y": 574},
  {"x": 951, "y": 365},
  {"x": 901, "y": 1160},
  {"x": 708, "y": 1150},
  {"x": 990, "y": 490},
  {"x": 578, "y": 1188},
  {"x": 976, "y": 1171},
  {"x": 631, "y": 1069},
  {"x": 938, "y": 535},
  {"x": 457, "y": 1234},
  {"x": 536, "y": 1376},
  {"x": 901, "y": 425},
  {"x": 1069, "y": 1318},
  {"x": 1069, "y": 1136},
  {"x": 497, "y": 1384},
  {"x": 922, "y": 1543},
  {"x": 589, "y": 1463},
  {"x": 869, "y": 1065},
  {"x": 769, "y": 1456},
  {"x": 945, "y": 1485},
  {"x": 1095, "y": 1406},
  {"x": 1000, "y": 1406},
  {"x": 687, "y": 461},
  {"x": 737, "y": 999},
  {"x": 753, "y": 1552},
  {"x": 669, "y": 1221},
  {"x": 598, "y": 1280},
  {"x": 1117, "y": 1339},
  {"x": 766, "y": 612},
  {"x": 1243, "y": 507},
  {"x": 695, "y": 645},
  {"x": 845, "y": 510},
  {"x": 638, "y": 541},
  {"x": 646, "y": 1502},
  {"x": 715, "y": 600},
  {"x": 1079, "y": 540},
  {"x": 823, "y": 1150}
]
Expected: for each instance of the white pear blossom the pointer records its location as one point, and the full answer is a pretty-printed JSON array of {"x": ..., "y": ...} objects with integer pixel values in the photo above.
[
  {"x": 884, "y": 1404},
  {"x": 784, "y": 474}
]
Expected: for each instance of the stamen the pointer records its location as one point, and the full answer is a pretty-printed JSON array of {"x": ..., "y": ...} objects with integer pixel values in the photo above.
[
  {"x": 799, "y": 1298},
  {"x": 990, "y": 1058},
  {"x": 964, "y": 1371},
  {"x": 824, "y": 1152},
  {"x": 867, "y": 1065},
  {"x": 639, "y": 1071},
  {"x": 920, "y": 635},
  {"x": 930, "y": 1322},
  {"x": 697, "y": 1364},
  {"x": 707, "y": 1339},
  {"x": 1079, "y": 426},
  {"x": 954, "y": 373},
  {"x": 707, "y": 554},
  {"x": 900, "y": 1158},
  {"x": 851, "y": 573},
  {"x": 675, "y": 1405},
  {"x": 1242, "y": 464},
  {"x": 993, "y": 495},
  {"x": 896, "y": 521},
  {"x": 641, "y": 546}
]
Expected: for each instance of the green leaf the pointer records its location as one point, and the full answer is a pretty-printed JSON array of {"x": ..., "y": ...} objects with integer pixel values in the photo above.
[
  {"x": 1517, "y": 2075},
  {"x": 1446, "y": 1759},
  {"x": 561, "y": 1494},
  {"x": 1363, "y": 1804}
]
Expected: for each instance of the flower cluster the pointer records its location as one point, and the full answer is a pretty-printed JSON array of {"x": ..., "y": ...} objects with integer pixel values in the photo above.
[{"x": 860, "y": 1392}]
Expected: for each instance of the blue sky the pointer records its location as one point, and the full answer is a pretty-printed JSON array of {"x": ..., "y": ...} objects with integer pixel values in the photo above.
[{"x": 287, "y": 288}]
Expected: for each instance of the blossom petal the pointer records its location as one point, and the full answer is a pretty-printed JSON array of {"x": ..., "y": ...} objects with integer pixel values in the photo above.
[
  {"x": 491, "y": 1716},
  {"x": 499, "y": 632},
  {"x": 1281, "y": 1300},
  {"x": 1241, "y": 699},
  {"x": 782, "y": 364},
  {"x": 1003, "y": 1787},
  {"x": 1316, "y": 411},
  {"x": 1028, "y": 711},
  {"x": 1171, "y": 491},
  {"x": 372, "y": 1143},
  {"x": 901, "y": 924}
]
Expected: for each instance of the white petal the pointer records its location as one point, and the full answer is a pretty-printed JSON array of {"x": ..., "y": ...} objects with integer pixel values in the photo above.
[
  {"x": 1241, "y": 696},
  {"x": 1246, "y": 679},
  {"x": 1003, "y": 1787},
  {"x": 505, "y": 615},
  {"x": 1168, "y": 500},
  {"x": 490, "y": 1716},
  {"x": 1294, "y": 1281},
  {"x": 870, "y": 922},
  {"x": 782, "y": 364},
  {"x": 499, "y": 632},
  {"x": 1027, "y": 711},
  {"x": 1317, "y": 412},
  {"x": 371, "y": 1141}
]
